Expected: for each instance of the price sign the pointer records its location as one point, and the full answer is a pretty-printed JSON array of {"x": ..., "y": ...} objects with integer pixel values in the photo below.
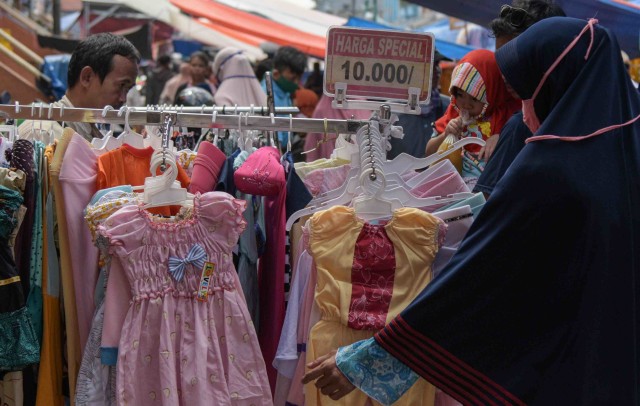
[{"x": 377, "y": 64}]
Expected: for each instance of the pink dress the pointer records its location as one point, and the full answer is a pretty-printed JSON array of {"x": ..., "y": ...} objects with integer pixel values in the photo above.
[
  {"x": 78, "y": 180},
  {"x": 175, "y": 349}
]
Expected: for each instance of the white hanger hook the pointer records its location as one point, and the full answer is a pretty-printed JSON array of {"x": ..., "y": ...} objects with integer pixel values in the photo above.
[
  {"x": 40, "y": 110},
  {"x": 214, "y": 116},
  {"x": 240, "y": 122},
  {"x": 235, "y": 111},
  {"x": 290, "y": 132},
  {"x": 127, "y": 128},
  {"x": 106, "y": 109},
  {"x": 50, "y": 111},
  {"x": 17, "y": 106},
  {"x": 252, "y": 109}
]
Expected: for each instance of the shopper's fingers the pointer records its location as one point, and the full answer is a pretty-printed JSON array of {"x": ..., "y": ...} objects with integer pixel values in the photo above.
[
  {"x": 328, "y": 380},
  {"x": 333, "y": 383},
  {"x": 318, "y": 360},
  {"x": 342, "y": 392},
  {"x": 319, "y": 367},
  {"x": 312, "y": 375}
]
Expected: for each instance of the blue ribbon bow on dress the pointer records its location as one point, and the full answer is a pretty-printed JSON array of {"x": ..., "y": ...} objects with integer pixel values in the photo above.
[{"x": 196, "y": 257}]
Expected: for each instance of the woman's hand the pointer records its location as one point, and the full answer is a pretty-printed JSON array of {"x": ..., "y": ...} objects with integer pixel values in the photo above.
[
  {"x": 489, "y": 147},
  {"x": 330, "y": 380}
]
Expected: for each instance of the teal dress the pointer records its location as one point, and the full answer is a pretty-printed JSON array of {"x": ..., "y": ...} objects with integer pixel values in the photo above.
[
  {"x": 34, "y": 298},
  {"x": 18, "y": 343}
]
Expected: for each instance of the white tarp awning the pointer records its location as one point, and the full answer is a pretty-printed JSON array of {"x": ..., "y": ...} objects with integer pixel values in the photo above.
[
  {"x": 163, "y": 10},
  {"x": 287, "y": 13}
]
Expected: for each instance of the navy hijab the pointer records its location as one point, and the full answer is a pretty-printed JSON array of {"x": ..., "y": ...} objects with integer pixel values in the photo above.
[{"x": 541, "y": 303}]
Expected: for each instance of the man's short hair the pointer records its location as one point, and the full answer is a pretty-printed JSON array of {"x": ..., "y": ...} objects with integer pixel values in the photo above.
[
  {"x": 290, "y": 57},
  {"x": 97, "y": 52},
  {"x": 514, "y": 19}
]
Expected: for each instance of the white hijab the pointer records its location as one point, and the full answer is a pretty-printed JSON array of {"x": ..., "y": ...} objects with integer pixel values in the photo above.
[{"x": 237, "y": 81}]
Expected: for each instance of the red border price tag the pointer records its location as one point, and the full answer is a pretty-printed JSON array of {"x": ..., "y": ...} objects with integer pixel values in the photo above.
[{"x": 378, "y": 64}]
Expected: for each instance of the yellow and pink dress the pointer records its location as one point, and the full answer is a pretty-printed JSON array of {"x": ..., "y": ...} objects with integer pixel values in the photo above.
[{"x": 366, "y": 274}]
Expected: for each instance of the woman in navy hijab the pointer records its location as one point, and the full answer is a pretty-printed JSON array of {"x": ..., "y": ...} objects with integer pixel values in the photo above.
[{"x": 541, "y": 303}]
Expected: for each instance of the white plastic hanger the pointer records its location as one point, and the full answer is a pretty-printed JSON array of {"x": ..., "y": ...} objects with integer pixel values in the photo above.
[
  {"x": 387, "y": 196},
  {"x": 129, "y": 136},
  {"x": 214, "y": 117},
  {"x": 399, "y": 165},
  {"x": 241, "y": 136},
  {"x": 35, "y": 136},
  {"x": 109, "y": 142},
  {"x": 290, "y": 133},
  {"x": 345, "y": 192},
  {"x": 164, "y": 190},
  {"x": 398, "y": 191},
  {"x": 373, "y": 204},
  {"x": 344, "y": 149},
  {"x": 405, "y": 162},
  {"x": 442, "y": 167}
]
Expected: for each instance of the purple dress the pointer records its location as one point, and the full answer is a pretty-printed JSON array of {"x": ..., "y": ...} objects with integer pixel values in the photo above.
[{"x": 175, "y": 349}]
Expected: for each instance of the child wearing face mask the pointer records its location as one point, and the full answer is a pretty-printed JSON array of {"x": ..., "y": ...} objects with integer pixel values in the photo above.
[{"x": 480, "y": 106}]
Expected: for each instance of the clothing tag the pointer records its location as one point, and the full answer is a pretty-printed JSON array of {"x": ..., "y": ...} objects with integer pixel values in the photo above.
[{"x": 205, "y": 279}]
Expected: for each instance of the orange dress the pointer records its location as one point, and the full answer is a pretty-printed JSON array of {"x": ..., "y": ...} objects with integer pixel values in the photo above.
[
  {"x": 130, "y": 166},
  {"x": 366, "y": 275}
]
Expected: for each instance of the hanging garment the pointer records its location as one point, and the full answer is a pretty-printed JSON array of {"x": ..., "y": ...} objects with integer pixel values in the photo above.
[
  {"x": 34, "y": 297},
  {"x": 206, "y": 168},
  {"x": 22, "y": 158},
  {"x": 97, "y": 380},
  {"x": 263, "y": 175},
  {"x": 50, "y": 371},
  {"x": 77, "y": 177},
  {"x": 367, "y": 274},
  {"x": 181, "y": 343},
  {"x": 186, "y": 159},
  {"x": 19, "y": 345}
]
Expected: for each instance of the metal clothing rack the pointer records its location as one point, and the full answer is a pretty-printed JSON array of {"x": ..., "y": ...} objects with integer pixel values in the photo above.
[
  {"x": 226, "y": 109},
  {"x": 143, "y": 116}
]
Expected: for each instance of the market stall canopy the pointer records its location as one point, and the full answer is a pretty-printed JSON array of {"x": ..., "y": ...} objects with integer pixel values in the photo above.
[
  {"x": 166, "y": 12},
  {"x": 139, "y": 36},
  {"x": 449, "y": 49},
  {"x": 247, "y": 23},
  {"x": 301, "y": 18},
  {"x": 621, "y": 17}
]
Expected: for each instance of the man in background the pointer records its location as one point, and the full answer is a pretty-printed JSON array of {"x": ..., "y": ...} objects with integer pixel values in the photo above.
[
  {"x": 288, "y": 66},
  {"x": 102, "y": 69}
]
